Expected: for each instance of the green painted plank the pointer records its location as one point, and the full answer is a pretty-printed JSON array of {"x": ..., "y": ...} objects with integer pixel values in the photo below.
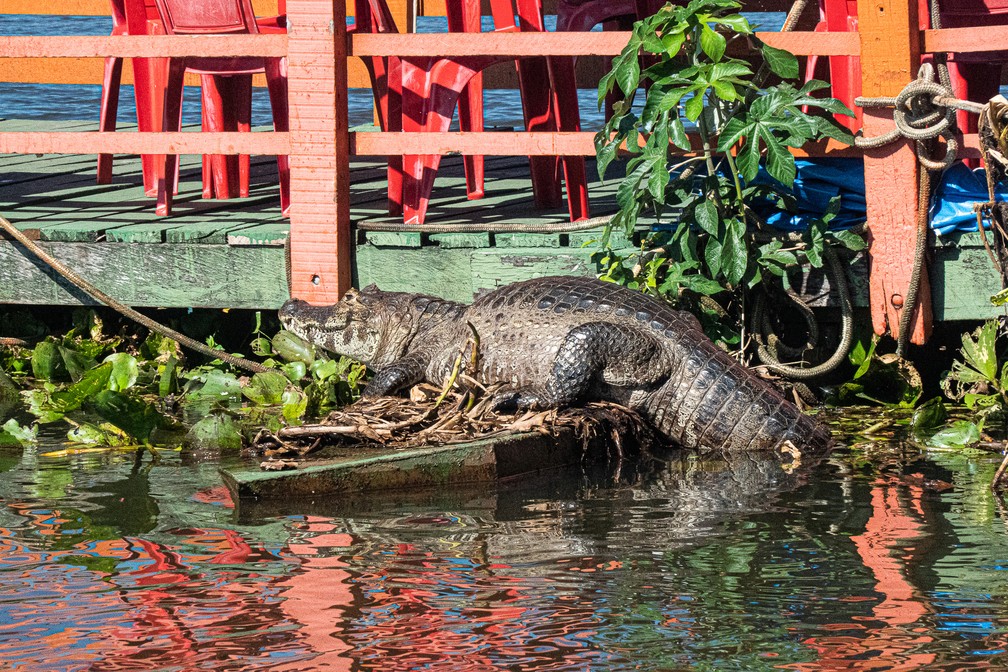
[
  {"x": 456, "y": 240},
  {"x": 183, "y": 276},
  {"x": 962, "y": 281},
  {"x": 428, "y": 270},
  {"x": 529, "y": 239},
  {"x": 591, "y": 238},
  {"x": 393, "y": 238},
  {"x": 405, "y": 469},
  {"x": 260, "y": 234},
  {"x": 495, "y": 267}
]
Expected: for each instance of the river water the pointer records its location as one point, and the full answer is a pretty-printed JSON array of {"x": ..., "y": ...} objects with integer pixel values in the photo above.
[{"x": 879, "y": 557}]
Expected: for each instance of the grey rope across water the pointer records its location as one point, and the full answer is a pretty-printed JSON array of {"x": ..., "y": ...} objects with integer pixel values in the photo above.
[{"x": 104, "y": 298}]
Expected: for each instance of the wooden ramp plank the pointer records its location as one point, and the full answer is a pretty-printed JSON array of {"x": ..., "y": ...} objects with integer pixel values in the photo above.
[{"x": 489, "y": 460}]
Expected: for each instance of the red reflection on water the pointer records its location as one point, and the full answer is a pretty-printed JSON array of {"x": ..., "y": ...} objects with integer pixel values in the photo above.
[
  {"x": 892, "y": 638},
  {"x": 166, "y": 605},
  {"x": 317, "y": 595}
]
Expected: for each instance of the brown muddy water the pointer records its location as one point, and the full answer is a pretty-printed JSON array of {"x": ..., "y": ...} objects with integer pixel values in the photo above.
[{"x": 882, "y": 556}]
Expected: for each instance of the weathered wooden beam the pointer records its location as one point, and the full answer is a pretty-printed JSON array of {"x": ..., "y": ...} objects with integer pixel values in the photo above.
[
  {"x": 145, "y": 274},
  {"x": 567, "y": 44},
  {"x": 518, "y": 144},
  {"x": 966, "y": 40},
  {"x": 375, "y": 468},
  {"x": 890, "y": 56},
  {"x": 359, "y": 144},
  {"x": 142, "y": 46},
  {"x": 91, "y": 71},
  {"x": 320, "y": 151},
  {"x": 93, "y": 142}
]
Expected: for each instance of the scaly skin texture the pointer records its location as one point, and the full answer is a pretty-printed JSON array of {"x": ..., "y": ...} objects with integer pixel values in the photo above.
[{"x": 560, "y": 341}]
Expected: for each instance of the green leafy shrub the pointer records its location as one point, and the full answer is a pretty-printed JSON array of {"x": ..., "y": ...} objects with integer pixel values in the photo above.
[{"x": 692, "y": 77}]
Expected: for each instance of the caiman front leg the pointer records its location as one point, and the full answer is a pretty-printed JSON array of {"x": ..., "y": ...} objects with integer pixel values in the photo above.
[
  {"x": 592, "y": 354},
  {"x": 397, "y": 376}
]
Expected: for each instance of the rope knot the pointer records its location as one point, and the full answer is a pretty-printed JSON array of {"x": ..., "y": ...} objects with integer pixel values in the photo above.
[{"x": 923, "y": 110}]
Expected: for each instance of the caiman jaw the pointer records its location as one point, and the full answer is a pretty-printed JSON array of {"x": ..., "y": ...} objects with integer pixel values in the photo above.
[{"x": 312, "y": 322}]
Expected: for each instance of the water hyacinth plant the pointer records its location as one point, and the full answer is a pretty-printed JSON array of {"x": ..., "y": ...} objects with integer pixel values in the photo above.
[{"x": 114, "y": 391}]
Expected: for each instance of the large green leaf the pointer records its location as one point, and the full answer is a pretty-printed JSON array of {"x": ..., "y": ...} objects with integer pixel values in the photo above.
[
  {"x": 979, "y": 351},
  {"x": 47, "y": 363},
  {"x": 959, "y": 434},
  {"x": 734, "y": 255},
  {"x": 89, "y": 386},
  {"x": 780, "y": 162},
  {"x": 125, "y": 371},
  {"x": 783, "y": 63},
  {"x": 713, "y": 43},
  {"x": 136, "y": 417},
  {"x": 707, "y": 217},
  {"x": 266, "y": 388},
  {"x": 217, "y": 431}
]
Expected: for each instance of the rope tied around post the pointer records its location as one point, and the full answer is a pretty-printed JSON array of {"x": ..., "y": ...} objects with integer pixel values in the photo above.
[{"x": 924, "y": 110}]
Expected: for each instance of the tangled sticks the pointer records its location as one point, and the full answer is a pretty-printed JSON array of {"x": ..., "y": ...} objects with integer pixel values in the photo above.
[{"x": 421, "y": 420}]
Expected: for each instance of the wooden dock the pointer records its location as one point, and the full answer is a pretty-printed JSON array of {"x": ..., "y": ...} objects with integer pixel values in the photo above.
[
  {"x": 226, "y": 254},
  {"x": 230, "y": 253}
]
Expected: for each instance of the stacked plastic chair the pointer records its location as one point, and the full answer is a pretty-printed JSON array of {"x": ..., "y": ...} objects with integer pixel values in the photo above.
[
  {"x": 206, "y": 17},
  {"x": 432, "y": 88}
]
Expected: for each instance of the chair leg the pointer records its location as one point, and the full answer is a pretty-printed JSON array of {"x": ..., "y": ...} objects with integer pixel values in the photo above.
[
  {"x": 109, "y": 112},
  {"x": 276, "y": 81},
  {"x": 465, "y": 17},
  {"x": 568, "y": 119},
  {"x": 431, "y": 90},
  {"x": 211, "y": 115},
  {"x": 534, "y": 83},
  {"x": 171, "y": 120},
  {"x": 394, "y": 124},
  {"x": 470, "y": 108},
  {"x": 243, "y": 113}
]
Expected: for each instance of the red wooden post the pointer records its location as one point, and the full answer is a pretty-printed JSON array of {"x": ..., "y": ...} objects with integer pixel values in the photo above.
[
  {"x": 890, "y": 56},
  {"x": 320, "y": 151}
]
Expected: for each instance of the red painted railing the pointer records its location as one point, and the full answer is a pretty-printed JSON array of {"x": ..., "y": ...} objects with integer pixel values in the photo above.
[{"x": 319, "y": 142}]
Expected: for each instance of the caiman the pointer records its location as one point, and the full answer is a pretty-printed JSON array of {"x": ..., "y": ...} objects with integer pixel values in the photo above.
[{"x": 558, "y": 341}]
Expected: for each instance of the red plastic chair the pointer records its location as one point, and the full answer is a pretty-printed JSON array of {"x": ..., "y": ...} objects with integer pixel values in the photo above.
[
  {"x": 974, "y": 76},
  {"x": 432, "y": 87},
  {"x": 373, "y": 16},
  {"x": 222, "y": 175},
  {"x": 583, "y": 15},
  {"x": 202, "y": 17}
]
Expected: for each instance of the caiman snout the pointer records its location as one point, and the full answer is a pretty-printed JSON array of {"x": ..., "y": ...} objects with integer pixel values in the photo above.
[{"x": 291, "y": 310}]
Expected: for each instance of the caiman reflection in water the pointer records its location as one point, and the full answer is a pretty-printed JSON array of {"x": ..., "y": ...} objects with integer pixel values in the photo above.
[{"x": 752, "y": 563}]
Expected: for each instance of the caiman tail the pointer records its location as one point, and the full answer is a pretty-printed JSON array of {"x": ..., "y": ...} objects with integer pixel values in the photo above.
[{"x": 714, "y": 403}]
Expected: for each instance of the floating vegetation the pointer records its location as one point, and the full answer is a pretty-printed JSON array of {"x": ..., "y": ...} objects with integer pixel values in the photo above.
[{"x": 126, "y": 391}]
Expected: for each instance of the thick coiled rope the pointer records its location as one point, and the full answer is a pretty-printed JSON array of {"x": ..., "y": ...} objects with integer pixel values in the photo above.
[
  {"x": 924, "y": 110},
  {"x": 769, "y": 344},
  {"x": 123, "y": 309}
]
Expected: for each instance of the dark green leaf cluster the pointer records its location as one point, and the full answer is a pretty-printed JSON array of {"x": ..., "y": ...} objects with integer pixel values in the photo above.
[
  {"x": 693, "y": 80},
  {"x": 117, "y": 393}
]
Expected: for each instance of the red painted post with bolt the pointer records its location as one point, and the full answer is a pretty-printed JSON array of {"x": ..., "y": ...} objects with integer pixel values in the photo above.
[
  {"x": 320, "y": 150},
  {"x": 890, "y": 56}
]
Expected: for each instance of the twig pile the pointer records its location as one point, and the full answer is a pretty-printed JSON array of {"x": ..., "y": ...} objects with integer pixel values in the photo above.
[{"x": 429, "y": 417}]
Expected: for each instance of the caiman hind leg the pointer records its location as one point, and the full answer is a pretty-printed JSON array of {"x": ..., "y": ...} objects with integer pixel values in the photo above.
[{"x": 594, "y": 357}]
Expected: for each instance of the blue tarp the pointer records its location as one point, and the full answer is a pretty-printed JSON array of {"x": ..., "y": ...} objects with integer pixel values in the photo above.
[
  {"x": 822, "y": 179},
  {"x": 817, "y": 182}
]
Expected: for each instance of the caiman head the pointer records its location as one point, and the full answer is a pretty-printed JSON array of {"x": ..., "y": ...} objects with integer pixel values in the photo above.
[{"x": 371, "y": 326}]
